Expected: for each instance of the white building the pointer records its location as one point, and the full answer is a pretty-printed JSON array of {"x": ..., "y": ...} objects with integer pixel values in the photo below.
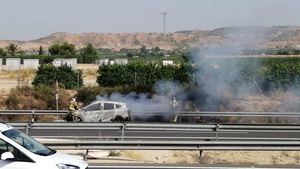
[
  {"x": 168, "y": 62},
  {"x": 13, "y": 64},
  {"x": 102, "y": 61},
  {"x": 30, "y": 63},
  {"x": 72, "y": 62},
  {"x": 111, "y": 62},
  {"x": 0, "y": 63},
  {"x": 121, "y": 61}
]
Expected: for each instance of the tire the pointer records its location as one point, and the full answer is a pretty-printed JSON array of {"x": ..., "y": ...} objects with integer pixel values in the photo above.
[
  {"x": 119, "y": 119},
  {"x": 77, "y": 119}
]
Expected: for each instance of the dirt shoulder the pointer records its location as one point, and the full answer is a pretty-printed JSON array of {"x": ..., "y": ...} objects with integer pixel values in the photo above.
[{"x": 274, "y": 158}]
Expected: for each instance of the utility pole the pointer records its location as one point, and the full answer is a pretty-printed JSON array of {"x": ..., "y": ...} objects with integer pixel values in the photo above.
[
  {"x": 56, "y": 94},
  {"x": 164, "y": 29}
]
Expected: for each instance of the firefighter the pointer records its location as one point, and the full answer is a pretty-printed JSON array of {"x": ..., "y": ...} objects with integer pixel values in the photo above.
[
  {"x": 72, "y": 108},
  {"x": 174, "y": 106}
]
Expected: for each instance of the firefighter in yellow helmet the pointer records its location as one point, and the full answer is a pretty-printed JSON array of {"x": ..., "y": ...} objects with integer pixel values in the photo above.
[{"x": 72, "y": 108}]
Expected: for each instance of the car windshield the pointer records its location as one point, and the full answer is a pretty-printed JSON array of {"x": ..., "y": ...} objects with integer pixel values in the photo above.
[{"x": 28, "y": 142}]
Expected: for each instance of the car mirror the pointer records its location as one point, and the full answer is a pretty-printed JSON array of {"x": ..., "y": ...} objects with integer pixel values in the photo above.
[{"x": 7, "y": 155}]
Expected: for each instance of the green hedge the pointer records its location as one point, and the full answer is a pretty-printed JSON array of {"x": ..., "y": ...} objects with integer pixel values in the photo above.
[
  {"x": 269, "y": 73},
  {"x": 138, "y": 74}
]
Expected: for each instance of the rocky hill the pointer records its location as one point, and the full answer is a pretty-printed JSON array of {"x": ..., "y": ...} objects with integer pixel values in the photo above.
[{"x": 252, "y": 37}]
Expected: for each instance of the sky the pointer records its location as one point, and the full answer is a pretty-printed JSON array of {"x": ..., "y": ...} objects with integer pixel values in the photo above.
[{"x": 32, "y": 19}]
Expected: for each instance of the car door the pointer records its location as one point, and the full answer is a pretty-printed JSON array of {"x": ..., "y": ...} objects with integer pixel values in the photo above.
[
  {"x": 108, "y": 111},
  {"x": 91, "y": 112},
  {"x": 20, "y": 160}
]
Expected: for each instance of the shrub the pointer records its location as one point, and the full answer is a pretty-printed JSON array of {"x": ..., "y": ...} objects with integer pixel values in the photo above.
[
  {"x": 38, "y": 98},
  {"x": 41, "y": 97},
  {"x": 47, "y": 74}
]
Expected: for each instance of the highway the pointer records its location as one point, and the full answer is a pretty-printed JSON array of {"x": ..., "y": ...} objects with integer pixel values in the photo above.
[
  {"x": 155, "y": 136},
  {"x": 166, "y": 132}
]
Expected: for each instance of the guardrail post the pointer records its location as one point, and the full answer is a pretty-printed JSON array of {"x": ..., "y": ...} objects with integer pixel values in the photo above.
[
  {"x": 27, "y": 128},
  {"x": 217, "y": 132},
  {"x": 32, "y": 117},
  {"x": 86, "y": 154},
  {"x": 123, "y": 131}
]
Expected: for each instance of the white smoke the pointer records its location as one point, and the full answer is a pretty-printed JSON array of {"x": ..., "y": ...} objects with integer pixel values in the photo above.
[
  {"x": 145, "y": 105},
  {"x": 219, "y": 69}
]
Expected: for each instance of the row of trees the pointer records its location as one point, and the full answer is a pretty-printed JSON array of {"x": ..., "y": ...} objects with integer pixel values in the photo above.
[
  {"x": 275, "y": 51},
  {"x": 11, "y": 50},
  {"x": 139, "y": 74},
  {"x": 268, "y": 73},
  {"x": 87, "y": 54}
]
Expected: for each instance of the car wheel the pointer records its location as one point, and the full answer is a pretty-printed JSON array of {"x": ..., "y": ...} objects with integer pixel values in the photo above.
[
  {"x": 119, "y": 119},
  {"x": 77, "y": 119}
]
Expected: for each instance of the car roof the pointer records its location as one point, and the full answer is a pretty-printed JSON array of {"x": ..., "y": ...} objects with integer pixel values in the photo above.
[
  {"x": 4, "y": 127},
  {"x": 105, "y": 101}
]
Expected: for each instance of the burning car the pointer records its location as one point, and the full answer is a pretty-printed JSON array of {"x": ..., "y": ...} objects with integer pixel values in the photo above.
[{"x": 102, "y": 111}]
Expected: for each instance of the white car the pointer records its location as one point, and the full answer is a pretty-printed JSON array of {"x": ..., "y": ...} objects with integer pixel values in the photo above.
[
  {"x": 102, "y": 111},
  {"x": 19, "y": 151}
]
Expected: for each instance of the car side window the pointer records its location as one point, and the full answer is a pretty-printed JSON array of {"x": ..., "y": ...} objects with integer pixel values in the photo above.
[
  {"x": 18, "y": 155},
  {"x": 108, "y": 106},
  {"x": 118, "y": 106},
  {"x": 94, "y": 107}
]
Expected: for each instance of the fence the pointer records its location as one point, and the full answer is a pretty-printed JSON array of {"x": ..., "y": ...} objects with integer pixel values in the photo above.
[
  {"x": 132, "y": 136},
  {"x": 179, "y": 114}
]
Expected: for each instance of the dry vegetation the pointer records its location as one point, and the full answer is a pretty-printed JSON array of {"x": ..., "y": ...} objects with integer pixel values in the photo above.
[
  {"x": 213, "y": 157},
  {"x": 28, "y": 98}
]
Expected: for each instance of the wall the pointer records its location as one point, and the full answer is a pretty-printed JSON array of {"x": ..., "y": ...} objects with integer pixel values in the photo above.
[
  {"x": 13, "y": 64},
  {"x": 30, "y": 63}
]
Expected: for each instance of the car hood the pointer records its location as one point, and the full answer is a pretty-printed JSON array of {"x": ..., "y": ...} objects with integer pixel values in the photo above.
[{"x": 68, "y": 159}]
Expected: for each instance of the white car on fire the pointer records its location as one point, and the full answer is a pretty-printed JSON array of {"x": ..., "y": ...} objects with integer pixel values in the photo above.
[
  {"x": 102, "y": 111},
  {"x": 19, "y": 151}
]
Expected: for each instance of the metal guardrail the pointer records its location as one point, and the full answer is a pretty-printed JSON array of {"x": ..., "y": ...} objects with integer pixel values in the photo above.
[
  {"x": 238, "y": 114},
  {"x": 173, "y": 145},
  {"x": 32, "y": 113},
  {"x": 35, "y": 112},
  {"x": 122, "y": 141},
  {"x": 179, "y": 113},
  {"x": 164, "y": 166}
]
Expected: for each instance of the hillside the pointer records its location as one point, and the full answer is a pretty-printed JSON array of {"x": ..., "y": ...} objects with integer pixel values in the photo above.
[{"x": 255, "y": 37}]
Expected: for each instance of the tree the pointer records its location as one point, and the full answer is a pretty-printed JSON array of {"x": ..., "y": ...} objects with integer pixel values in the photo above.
[
  {"x": 129, "y": 55},
  {"x": 2, "y": 52},
  {"x": 64, "y": 49},
  {"x": 89, "y": 54},
  {"x": 89, "y": 50},
  {"x": 156, "y": 49},
  {"x": 41, "y": 51},
  {"x": 47, "y": 74},
  {"x": 12, "y": 49},
  {"x": 54, "y": 49},
  {"x": 144, "y": 50}
]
